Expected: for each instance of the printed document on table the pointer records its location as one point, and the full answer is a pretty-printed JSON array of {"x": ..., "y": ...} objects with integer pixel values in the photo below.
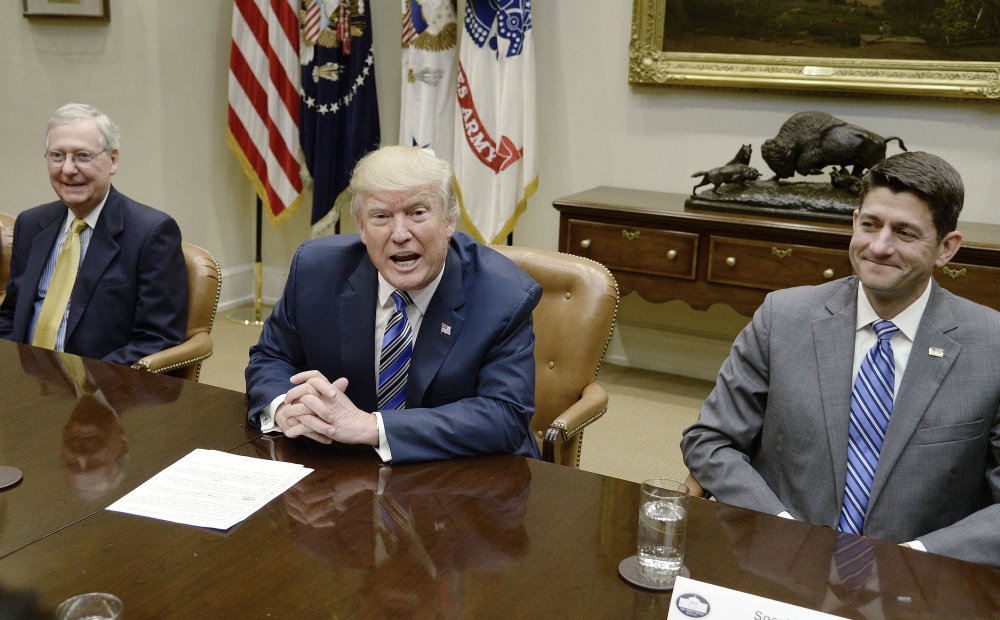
[{"x": 211, "y": 489}]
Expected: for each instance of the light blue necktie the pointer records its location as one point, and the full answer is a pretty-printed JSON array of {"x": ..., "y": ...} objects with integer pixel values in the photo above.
[
  {"x": 394, "y": 362},
  {"x": 871, "y": 406}
]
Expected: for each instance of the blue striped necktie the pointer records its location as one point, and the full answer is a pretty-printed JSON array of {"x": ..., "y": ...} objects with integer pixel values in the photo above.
[
  {"x": 871, "y": 406},
  {"x": 854, "y": 558},
  {"x": 394, "y": 362}
]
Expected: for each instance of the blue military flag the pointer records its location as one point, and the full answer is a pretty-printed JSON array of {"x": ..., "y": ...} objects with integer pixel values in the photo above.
[{"x": 339, "y": 120}]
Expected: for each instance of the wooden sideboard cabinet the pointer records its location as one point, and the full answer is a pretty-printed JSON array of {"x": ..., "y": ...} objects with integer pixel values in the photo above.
[{"x": 664, "y": 252}]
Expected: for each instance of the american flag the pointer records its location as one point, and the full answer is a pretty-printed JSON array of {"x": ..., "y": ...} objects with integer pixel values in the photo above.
[
  {"x": 311, "y": 27},
  {"x": 264, "y": 100},
  {"x": 409, "y": 32}
]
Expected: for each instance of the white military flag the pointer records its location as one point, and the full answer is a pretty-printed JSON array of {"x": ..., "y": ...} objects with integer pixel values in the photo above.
[
  {"x": 430, "y": 52},
  {"x": 495, "y": 154}
]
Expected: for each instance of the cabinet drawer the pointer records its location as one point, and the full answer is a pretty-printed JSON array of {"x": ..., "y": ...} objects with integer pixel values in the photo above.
[
  {"x": 631, "y": 248},
  {"x": 975, "y": 282},
  {"x": 772, "y": 266}
]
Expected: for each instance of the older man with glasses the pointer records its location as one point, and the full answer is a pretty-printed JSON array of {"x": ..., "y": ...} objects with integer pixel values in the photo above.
[{"x": 93, "y": 273}]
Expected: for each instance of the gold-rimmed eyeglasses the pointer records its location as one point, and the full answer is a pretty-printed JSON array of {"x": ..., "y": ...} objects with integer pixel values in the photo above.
[{"x": 80, "y": 158}]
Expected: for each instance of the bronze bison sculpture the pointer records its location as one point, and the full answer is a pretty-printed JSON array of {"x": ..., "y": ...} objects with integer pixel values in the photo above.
[{"x": 809, "y": 141}]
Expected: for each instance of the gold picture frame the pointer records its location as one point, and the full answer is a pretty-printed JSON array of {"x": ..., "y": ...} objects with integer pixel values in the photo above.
[
  {"x": 649, "y": 63},
  {"x": 76, "y": 9}
]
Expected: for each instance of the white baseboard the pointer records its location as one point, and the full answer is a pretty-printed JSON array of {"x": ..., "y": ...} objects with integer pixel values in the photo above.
[
  {"x": 238, "y": 285},
  {"x": 686, "y": 355}
]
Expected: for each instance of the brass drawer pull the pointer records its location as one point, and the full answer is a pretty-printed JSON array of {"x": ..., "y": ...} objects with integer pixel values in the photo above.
[
  {"x": 585, "y": 244},
  {"x": 828, "y": 273},
  {"x": 781, "y": 253},
  {"x": 953, "y": 273},
  {"x": 671, "y": 254},
  {"x": 631, "y": 235},
  {"x": 731, "y": 261}
]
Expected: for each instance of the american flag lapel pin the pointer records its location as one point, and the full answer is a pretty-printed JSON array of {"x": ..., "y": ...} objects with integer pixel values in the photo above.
[
  {"x": 445, "y": 329},
  {"x": 935, "y": 352}
]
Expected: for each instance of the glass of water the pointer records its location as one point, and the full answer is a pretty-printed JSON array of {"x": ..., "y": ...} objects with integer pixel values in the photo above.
[
  {"x": 91, "y": 606},
  {"x": 663, "y": 510}
]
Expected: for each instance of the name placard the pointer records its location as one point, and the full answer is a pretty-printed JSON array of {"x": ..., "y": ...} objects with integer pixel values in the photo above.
[{"x": 697, "y": 599}]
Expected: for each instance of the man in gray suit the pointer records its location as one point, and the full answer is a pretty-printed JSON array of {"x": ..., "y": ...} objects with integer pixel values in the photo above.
[{"x": 777, "y": 435}]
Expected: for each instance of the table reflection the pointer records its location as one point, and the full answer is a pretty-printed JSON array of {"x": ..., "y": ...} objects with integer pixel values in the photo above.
[
  {"x": 413, "y": 530},
  {"x": 851, "y": 576},
  {"x": 94, "y": 448}
]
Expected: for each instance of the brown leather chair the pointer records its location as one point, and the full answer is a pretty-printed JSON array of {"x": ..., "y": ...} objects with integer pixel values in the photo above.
[
  {"x": 573, "y": 324},
  {"x": 204, "y": 286},
  {"x": 6, "y": 238}
]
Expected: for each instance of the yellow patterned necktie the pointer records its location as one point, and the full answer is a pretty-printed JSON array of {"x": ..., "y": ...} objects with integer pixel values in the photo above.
[
  {"x": 60, "y": 287},
  {"x": 77, "y": 373}
]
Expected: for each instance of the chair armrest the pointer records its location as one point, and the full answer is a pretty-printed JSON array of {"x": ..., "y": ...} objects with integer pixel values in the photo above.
[
  {"x": 592, "y": 405},
  {"x": 191, "y": 351}
]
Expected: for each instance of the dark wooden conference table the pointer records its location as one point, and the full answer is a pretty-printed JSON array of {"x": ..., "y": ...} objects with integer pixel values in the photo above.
[{"x": 489, "y": 537}]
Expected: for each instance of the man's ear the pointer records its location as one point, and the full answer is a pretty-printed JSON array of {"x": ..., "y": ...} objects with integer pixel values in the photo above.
[
  {"x": 361, "y": 228},
  {"x": 949, "y": 246}
]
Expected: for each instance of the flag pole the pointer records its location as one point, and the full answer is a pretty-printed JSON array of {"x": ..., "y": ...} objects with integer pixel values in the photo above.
[{"x": 240, "y": 314}]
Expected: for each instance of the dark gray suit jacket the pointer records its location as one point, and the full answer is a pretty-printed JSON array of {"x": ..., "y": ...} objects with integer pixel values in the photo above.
[
  {"x": 131, "y": 294},
  {"x": 772, "y": 436}
]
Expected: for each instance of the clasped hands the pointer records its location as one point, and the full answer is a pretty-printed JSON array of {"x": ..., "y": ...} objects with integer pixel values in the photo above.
[
  {"x": 320, "y": 410},
  {"x": 320, "y": 499}
]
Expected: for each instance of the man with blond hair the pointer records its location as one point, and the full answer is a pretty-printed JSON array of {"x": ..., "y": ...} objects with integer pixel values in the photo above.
[{"x": 408, "y": 337}]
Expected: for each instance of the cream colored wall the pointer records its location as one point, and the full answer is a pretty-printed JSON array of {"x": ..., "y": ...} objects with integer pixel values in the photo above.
[
  {"x": 160, "y": 69},
  {"x": 156, "y": 68},
  {"x": 595, "y": 129}
]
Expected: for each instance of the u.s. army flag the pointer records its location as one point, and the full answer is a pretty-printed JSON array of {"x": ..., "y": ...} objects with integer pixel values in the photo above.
[{"x": 495, "y": 154}]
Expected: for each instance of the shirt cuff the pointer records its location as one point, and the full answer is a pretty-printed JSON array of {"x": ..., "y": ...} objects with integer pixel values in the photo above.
[
  {"x": 266, "y": 415},
  {"x": 784, "y": 514},
  {"x": 382, "y": 449},
  {"x": 915, "y": 544}
]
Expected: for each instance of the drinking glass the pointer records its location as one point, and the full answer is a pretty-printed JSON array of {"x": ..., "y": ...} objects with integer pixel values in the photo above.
[
  {"x": 91, "y": 606},
  {"x": 663, "y": 510}
]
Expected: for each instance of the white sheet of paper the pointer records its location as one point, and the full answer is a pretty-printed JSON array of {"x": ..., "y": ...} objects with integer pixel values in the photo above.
[
  {"x": 698, "y": 599},
  {"x": 208, "y": 488}
]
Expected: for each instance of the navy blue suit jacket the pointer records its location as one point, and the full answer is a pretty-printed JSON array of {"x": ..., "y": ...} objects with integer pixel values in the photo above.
[
  {"x": 471, "y": 385},
  {"x": 131, "y": 294}
]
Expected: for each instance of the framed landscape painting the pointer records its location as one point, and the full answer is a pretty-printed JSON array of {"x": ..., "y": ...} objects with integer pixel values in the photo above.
[{"x": 935, "y": 48}]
